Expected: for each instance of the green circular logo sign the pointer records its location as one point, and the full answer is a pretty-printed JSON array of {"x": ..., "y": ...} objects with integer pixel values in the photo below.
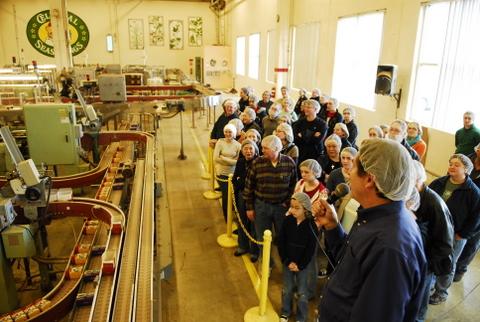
[{"x": 39, "y": 33}]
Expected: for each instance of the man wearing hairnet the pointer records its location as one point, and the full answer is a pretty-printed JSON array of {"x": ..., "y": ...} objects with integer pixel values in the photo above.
[{"x": 381, "y": 264}]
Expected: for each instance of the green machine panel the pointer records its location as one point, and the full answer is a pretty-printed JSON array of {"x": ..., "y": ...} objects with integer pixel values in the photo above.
[
  {"x": 8, "y": 294},
  {"x": 51, "y": 133}
]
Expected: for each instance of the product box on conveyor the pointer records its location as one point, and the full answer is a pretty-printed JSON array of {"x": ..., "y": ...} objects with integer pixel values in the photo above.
[
  {"x": 108, "y": 263},
  {"x": 117, "y": 224}
]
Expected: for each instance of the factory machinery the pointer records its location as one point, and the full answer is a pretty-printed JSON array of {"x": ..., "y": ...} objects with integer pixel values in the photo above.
[{"x": 109, "y": 275}]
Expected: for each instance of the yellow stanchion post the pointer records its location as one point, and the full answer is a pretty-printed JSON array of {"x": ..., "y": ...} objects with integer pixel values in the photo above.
[
  {"x": 229, "y": 240},
  {"x": 207, "y": 174},
  {"x": 212, "y": 194},
  {"x": 263, "y": 313}
]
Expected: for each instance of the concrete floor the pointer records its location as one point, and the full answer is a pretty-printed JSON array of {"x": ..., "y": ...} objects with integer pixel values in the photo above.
[{"x": 209, "y": 283}]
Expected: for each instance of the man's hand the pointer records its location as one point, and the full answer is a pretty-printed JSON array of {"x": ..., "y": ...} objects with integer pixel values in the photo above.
[
  {"x": 293, "y": 267},
  {"x": 251, "y": 215},
  {"x": 324, "y": 214}
]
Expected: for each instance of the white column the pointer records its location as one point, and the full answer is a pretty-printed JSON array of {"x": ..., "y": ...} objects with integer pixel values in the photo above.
[{"x": 61, "y": 36}]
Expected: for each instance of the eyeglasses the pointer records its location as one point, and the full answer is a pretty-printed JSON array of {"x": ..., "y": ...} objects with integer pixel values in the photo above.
[{"x": 412, "y": 128}]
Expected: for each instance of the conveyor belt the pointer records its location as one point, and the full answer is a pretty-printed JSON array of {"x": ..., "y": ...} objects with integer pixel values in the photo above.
[
  {"x": 110, "y": 138},
  {"x": 144, "y": 276},
  {"x": 125, "y": 291},
  {"x": 100, "y": 308},
  {"x": 82, "y": 313},
  {"x": 139, "y": 270},
  {"x": 62, "y": 296}
]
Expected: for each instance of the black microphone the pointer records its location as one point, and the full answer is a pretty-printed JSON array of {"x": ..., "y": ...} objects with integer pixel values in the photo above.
[{"x": 340, "y": 191}]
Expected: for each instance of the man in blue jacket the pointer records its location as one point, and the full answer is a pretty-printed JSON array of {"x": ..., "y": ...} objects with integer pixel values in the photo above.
[{"x": 381, "y": 264}]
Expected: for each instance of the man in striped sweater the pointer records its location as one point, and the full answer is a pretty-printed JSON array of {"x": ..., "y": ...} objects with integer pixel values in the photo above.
[{"x": 269, "y": 185}]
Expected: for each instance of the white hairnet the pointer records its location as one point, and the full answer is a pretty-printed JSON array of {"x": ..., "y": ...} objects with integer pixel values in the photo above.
[
  {"x": 287, "y": 129},
  {"x": 253, "y": 144},
  {"x": 250, "y": 112},
  {"x": 413, "y": 200},
  {"x": 351, "y": 110},
  {"x": 313, "y": 166},
  {"x": 257, "y": 134},
  {"x": 419, "y": 171},
  {"x": 467, "y": 163},
  {"x": 238, "y": 125},
  {"x": 390, "y": 164},
  {"x": 343, "y": 127},
  {"x": 272, "y": 142},
  {"x": 335, "y": 139},
  {"x": 232, "y": 128}
]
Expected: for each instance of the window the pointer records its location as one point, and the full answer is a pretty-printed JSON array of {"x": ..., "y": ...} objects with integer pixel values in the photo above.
[
  {"x": 357, "y": 53},
  {"x": 109, "y": 43},
  {"x": 253, "y": 55},
  {"x": 271, "y": 53},
  {"x": 446, "y": 75},
  {"x": 240, "y": 53},
  {"x": 305, "y": 55}
]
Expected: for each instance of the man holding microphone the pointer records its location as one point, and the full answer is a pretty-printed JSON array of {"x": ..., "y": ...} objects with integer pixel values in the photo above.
[{"x": 380, "y": 265}]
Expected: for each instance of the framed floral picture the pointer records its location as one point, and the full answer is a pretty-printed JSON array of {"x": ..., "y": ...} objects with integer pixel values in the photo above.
[
  {"x": 195, "y": 31},
  {"x": 175, "y": 30},
  {"x": 136, "y": 34},
  {"x": 156, "y": 31}
]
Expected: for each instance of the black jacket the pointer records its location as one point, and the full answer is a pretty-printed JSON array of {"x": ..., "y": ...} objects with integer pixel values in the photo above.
[
  {"x": 411, "y": 151},
  {"x": 242, "y": 103},
  {"x": 310, "y": 146},
  {"x": 464, "y": 205},
  {"x": 352, "y": 133},
  {"x": 240, "y": 173},
  {"x": 436, "y": 226},
  {"x": 217, "y": 131},
  {"x": 337, "y": 118},
  {"x": 298, "y": 105}
]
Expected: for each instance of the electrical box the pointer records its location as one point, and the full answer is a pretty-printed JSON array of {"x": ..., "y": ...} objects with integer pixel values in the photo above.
[
  {"x": 7, "y": 214},
  {"x": 112, "y": 88},
  {"x": 18, "y": 241},
  {"x": 28, "y": 172},
  {"x": 8, "y": 294},
  {"x": 51, "y": 133}
]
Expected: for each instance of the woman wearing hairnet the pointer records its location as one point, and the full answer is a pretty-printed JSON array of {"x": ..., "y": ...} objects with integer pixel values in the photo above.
[
  {"x": 381, "y": 265},
  {"x": 463, "y": 200},
  {"x": 285, "y": 133}
]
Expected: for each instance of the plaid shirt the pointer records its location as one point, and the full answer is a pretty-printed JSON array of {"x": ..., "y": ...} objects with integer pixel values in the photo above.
[{"x": 271, "y": 184}]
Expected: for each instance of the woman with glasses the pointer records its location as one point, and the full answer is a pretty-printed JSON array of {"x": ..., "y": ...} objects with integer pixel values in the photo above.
[{"x": 414, "y": 139}]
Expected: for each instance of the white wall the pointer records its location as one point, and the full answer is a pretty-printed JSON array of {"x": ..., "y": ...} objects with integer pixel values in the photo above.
[
  {"x": 104, "y": 17},
  {"x": 400, "y": 28},
  {"x": 246, "y": 18}
]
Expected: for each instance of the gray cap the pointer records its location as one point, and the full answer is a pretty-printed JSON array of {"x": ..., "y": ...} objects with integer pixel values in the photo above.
[{"x": 303, "y": 199}]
